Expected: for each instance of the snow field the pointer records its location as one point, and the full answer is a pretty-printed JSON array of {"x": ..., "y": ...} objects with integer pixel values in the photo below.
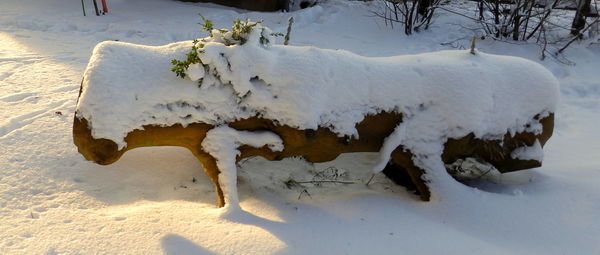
[{"x": 52, "y": 201}]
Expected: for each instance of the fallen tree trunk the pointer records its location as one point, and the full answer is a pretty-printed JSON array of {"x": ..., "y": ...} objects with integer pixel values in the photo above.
[
  {"x": 419, "y": 112},
  {"x": 319, "y": 145}
]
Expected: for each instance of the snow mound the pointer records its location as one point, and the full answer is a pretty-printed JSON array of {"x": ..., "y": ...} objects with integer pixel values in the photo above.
[
  {"x": 237, "y": 75},
  {"x": 127, "y": 86}
]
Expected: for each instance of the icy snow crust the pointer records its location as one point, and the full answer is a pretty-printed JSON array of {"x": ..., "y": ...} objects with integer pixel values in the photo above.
[{"x": 442, "y": 95}]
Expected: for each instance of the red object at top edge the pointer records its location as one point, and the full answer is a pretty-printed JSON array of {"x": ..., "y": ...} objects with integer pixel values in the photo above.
[{"x": 104, "y": 7}]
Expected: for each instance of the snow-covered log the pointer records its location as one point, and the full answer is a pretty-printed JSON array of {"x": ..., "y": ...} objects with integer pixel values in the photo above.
[{"x": 418, "y": 111}]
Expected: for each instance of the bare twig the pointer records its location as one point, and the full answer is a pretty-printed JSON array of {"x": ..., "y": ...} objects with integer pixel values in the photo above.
[
  {"x": 289, "y": 30},
  {"x": 370, "y": 179},
  {"x": 452, "y": 43},
  {"x": 414, "y": 15},
  {"x": 324, "y": 181},
  {"x": 544, "y": 19},
  {"x": 304, "y": 192},
  {"x": 545, "y": 44},
  {"x": 576, "y": 37}
]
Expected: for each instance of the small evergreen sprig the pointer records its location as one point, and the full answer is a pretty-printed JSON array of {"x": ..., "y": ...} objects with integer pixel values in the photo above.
[
  {"x": 180, "y": 66},
  {"x": 207, "y": 24},
  {"x": 241, "y": 29},
  {"x": 238, "y": 35}
]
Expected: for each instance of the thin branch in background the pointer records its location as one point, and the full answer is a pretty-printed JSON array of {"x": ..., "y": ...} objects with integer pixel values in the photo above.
[
  {"x": 289, "y": 30},
  {"x": 83, "y": 7},
  {"x": 324, "y": 181},
  {"x": 414, "y": 15},
  {"x": 453, "y": 42},
  {"x": 96, "y": 8},
  {"x": 578, "y": 36},
  {"x": 544, "y": 19},
  {"x": 304, "y": 192},
  {"x": 508, "y": 22},
  {"x": 523, "y": 20},
  {"x": 473, "y": 40},
  {"x": 370, "y": 179},
  {"x": 545, "y": 44}
]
